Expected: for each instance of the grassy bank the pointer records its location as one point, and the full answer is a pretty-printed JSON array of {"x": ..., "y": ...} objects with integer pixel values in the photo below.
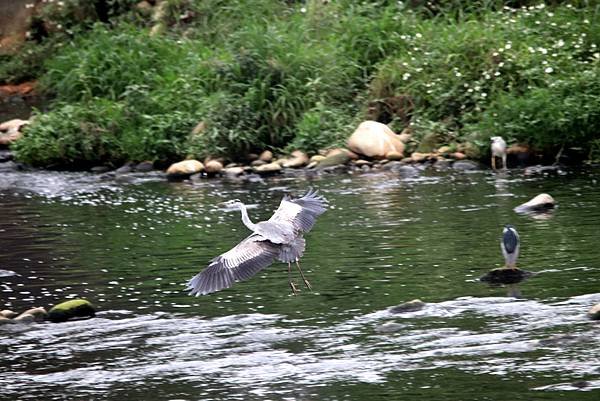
[{"x": 286, "y": 75}]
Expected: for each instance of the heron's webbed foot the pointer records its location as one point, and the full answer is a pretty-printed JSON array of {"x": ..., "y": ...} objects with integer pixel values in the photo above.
[{"x": 295, "y": 289}]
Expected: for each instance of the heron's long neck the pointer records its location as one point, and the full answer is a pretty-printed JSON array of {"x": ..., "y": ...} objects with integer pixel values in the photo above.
[{"x": 246, "y": 219}]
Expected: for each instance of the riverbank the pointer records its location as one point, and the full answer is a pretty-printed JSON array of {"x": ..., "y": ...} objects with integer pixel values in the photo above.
[{"x": 157, "y": 82}]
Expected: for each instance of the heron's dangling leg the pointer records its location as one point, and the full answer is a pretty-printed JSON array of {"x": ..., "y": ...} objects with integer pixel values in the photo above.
[
  {"x": 504, "y": 161},
  {"x": 292, "y": 285},
  {"x": 493, "y": 162},
  {"x": 306, "y": 283}
]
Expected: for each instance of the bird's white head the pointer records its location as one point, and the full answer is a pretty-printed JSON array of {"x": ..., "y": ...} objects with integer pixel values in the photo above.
[{"x": 233, "y": 204}]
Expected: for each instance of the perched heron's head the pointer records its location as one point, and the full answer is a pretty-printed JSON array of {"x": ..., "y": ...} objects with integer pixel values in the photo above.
[{"x": 496, "y": 139}]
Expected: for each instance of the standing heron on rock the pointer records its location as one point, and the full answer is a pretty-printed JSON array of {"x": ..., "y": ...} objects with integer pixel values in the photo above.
[
  {"x": 498, "y": 150},
  {"x": 510, "y": 246},
  {"x": 279, "y": 238}
]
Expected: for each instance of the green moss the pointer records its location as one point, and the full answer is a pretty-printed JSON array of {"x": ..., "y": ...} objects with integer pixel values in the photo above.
[{"x": 76, "y": 308}]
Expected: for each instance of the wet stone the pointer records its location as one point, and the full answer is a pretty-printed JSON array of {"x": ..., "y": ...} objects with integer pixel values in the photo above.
[
  {"x": 100, "y": 169},
  {"x": 465, "y": 165},
  {"x": 505, "y": 276},
  {"x": 5, "y": 155},
  {"x": 144, "y": 167},
  {"x": 410, "y": 306},
  {"x": 76, "y": 308},
  {"x": 594, "y": 312},
  {"x": 389, "y": 327}
]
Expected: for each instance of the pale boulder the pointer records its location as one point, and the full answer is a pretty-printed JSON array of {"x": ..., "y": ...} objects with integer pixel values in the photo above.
[
  {"x": 297, "y": 159},
  {"x": 266, "y": 156},
  {"x": 10, "y": 131},
  {"x": 213, "y": 167},
  {"x": 540, "y": 203},
  {"x": 374, "y": 139},
  {"x": 267, "y": 169},
  {"x": 184, "y": 168}
]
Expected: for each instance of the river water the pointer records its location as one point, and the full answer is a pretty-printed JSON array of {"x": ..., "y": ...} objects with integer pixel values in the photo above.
[{"x": 129, "y": 244}]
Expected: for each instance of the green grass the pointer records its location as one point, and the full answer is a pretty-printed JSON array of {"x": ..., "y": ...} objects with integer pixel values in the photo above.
[{"x": 287, "y": 75}]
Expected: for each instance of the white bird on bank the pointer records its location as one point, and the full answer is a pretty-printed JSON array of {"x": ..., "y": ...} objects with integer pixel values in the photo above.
[{"x": 498, "y": 150}]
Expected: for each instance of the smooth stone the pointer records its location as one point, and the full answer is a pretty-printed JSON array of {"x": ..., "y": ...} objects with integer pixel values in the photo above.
[
  {"x": 7, "y": 313},
  {"x": 75, "y": 308},
  {"x": 361, "y": 162},
  {"x": 505, "y": 276},
  {"x": 317, "y": 158},
  {"x": 442, "y": 164},
  {"x": 298, "y": 159},
  {"x": 406, "y": 171},
  {"x": 465, "y": 165},
  {"x": 5, "y": 320},
  {"x": 420, "y": 157},
  {"x": 258, "y": 162},
  {"x": 266, "y": 156},
  {"x": 340, "y": 168},
  {"x": 532, "y": 170},
  {"x": 10, "y": 131},
  {"x": 594, "y": 312},
  {"x": 39, "y": 314},
  {"x": 540, "y": 203},
  {"x": 334, "y": 159},
  {"x": 458, "y": 156},
  {"x": 184, "y": 169},
  {"x": 410, "y": 306},
  {"x": 124, "y": 169},
  {"x": 312, "y": 165},
  {"x": 213, "y": 167},
  {"x": 266, "y": 169},
  {"x": 24, "y": 318},
  {"x": 393, "y": 155},
  {"x": 444, "y": 150},
  {"x": 144, "y": 167},
  {"x": 100, "y": 169},
  {"x": 234, "y": 171},
  {"x": 374, "y": 139}
]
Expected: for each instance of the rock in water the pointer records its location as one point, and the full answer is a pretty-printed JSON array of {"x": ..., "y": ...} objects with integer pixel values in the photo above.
[
  {"x": 184, "y": 169},
  {"x": 594, "y": 312},
  {"x": 541, "y": 203},
  {"x": 505, "y": 276},
  {"x": 410, "y": 306},
  {"x": 75, "y": 308}
]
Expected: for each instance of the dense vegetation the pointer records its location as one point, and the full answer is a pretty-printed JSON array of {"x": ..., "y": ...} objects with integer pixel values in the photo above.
[{"x": 283, "y": 75}]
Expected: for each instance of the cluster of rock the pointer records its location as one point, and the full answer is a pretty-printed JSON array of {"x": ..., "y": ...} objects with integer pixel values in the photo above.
[
  {"x": 10, "y": 131},
  {"x": 76, "y": 308},
  {"x": 373, "y": 145}
]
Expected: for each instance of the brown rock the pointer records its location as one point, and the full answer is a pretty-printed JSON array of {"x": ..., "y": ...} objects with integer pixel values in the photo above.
[
  {"x": 10, "y": 131},
  {"x": 394, "y": 156},
  {"x": 184, "y": 168},
  {"x": 234, "y": 171},
  {"x": 213, "y": 167},
  {"x": 540, "y": 203},
  {"x": 458, "y": 156},
  {"x": 317, "y": 158},
  {"x": 7, "y": 313},
  {"x": 269, "y": 168},
  {"x": 298, "y": 159},
  {"x": 38, "y": 314},
  {"x": 374, "y": 139},
  {"x": 266, "y": 156},
  {"x": 336, "y": 158},
  {"x": 257, "y": 163},
  {"x": 406, "y": 135},
  {"x": 361, "y": 163},
  {"x": 420, "y": 157}
]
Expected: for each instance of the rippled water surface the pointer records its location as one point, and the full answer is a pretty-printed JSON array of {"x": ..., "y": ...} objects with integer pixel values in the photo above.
[{"x": 129, "y": 244}]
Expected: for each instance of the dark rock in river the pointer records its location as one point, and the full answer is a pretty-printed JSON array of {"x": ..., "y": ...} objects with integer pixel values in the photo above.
[
  {"x": 505, "y": 276},
  {"x": 124, "y": 169},
  {"x": 144, "y": 167},
  {"x": 76, "y": 308},
  {"x": 5, "y": 155},
  {"x": 410, "y": 306},
  {"x": 100, "y": 169},
  {"x": 594, "y": 312},
  {"x": 465, "y": 165}
]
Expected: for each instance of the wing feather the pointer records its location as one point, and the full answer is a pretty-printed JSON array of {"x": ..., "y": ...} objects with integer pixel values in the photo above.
[
  {"x": 301, "y": 213},
  {"x": 239, "y": 263}
]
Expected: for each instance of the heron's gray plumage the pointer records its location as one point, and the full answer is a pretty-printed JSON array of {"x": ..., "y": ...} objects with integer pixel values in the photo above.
[
  {"x": 510, "y": 245},
  {"x": 278, "y": 238}
]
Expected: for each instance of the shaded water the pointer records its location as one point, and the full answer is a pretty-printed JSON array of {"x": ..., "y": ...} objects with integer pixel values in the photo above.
[{"x": 130, "y": 244}]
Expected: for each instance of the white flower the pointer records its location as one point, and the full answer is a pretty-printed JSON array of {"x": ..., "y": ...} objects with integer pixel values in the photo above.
[
  {"x": 303, "y": 10},
  {"x": 405, "y": 76},
  {"x": 508, "y": 46},
  {"x": 418, "y": 35},
  {"x": 548, "y": 70},
  {"x": 560, "y": 43},
  {"x": 458, "y": 74}
]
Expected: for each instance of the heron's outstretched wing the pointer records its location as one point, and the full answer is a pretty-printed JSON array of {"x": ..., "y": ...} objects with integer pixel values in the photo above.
[
  {"x": 239, "y": 263},
  {"x": 301, "y": 213}
]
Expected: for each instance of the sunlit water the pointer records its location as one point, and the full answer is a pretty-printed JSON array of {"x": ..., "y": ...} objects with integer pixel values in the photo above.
[{"x": 129, "y": 244}]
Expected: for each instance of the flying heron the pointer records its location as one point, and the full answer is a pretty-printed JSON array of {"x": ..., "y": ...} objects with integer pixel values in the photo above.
[
  {"x": 279, "y": 238},
  {"x": 510, "y": 246},
  {"x": 498, "y": 150}
]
